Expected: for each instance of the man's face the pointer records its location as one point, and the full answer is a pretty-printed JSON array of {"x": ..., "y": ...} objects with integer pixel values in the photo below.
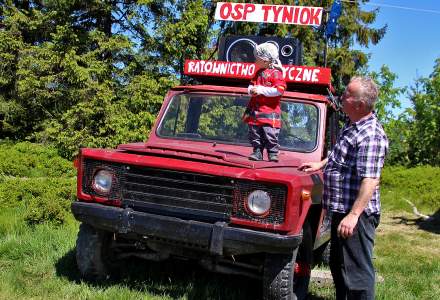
[{"x": 349, "y": 103}]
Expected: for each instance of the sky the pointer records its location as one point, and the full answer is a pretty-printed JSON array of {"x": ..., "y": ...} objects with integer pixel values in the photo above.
[{"x": 412, "y": 42}]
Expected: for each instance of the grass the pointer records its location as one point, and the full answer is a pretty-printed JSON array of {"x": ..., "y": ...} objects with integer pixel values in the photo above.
[
  {"x": 408, "y": 258},
  {"x": 40, "y": 264},
  {"x": 37, "y": 259},
  {"x": 420, "y": 185}
]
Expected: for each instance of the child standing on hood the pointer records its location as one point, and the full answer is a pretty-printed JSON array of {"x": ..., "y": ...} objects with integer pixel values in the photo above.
[{"x": 263, "y": 113}]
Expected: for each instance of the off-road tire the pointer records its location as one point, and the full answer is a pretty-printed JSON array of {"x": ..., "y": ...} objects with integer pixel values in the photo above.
[
  {"x": 92, "y": 253},
  {"x": 278, "y": 276}
]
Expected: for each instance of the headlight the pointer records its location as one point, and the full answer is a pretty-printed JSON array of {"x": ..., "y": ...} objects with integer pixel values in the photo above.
[
  {"x": 258, "y": 202},
  {"x": 102, "y": 182}
]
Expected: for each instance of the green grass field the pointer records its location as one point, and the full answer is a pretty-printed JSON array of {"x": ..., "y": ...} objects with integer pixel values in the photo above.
[{"x": 37, "y": 241}]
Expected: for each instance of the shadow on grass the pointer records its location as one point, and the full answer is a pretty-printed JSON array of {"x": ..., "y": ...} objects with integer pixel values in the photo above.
[
  {"x": 172, "y": 278},
  {"x": 431, "y": 225}
]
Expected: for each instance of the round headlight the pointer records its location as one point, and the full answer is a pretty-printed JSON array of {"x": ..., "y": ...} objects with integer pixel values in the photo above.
[
  {"x": 102, "y": 181},
  {"x": 258, "y": 202}
]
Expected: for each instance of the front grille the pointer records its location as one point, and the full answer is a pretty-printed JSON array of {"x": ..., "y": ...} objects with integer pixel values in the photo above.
[
  {"x": 186, "y": 195},
  {"x": 177, "y": 193}
]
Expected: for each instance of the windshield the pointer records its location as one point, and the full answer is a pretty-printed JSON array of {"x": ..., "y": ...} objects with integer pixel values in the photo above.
[{"x": 218, "y": 118}]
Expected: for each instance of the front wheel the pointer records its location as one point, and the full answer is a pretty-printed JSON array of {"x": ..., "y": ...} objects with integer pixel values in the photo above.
[
  {"x": 278, "y": 276},
  {"x": 92, "y": 252},
  {"x": 287, "y": 276}
]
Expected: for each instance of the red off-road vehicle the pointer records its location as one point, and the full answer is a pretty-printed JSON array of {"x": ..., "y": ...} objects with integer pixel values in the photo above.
[{"x": 190, "y": 190}]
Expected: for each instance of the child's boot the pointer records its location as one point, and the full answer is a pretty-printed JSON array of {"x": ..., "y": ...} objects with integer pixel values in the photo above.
[
  {"x": 273, "y": 157},
  {"x": 256, "y": 155}
]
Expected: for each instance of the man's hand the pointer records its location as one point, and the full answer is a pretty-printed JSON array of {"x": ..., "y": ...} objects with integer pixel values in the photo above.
[
  {"x": 254, "y": 90},
  {"x": 347, "y": 225},
  {"x": 309, "y": 167}
]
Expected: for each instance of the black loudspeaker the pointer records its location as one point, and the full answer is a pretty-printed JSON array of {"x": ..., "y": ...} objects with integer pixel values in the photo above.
[{"x": 241, "y": 49}]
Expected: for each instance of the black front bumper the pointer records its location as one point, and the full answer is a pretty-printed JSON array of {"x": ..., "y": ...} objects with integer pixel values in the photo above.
[{"x": 218, "y": 238}]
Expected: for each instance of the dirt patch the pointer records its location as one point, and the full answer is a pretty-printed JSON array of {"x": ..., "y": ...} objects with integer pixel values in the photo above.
[
  {"x": 408, "y": 222},
  {"x": 413, "y": 229},
  {"x": 397, "y": 222}
]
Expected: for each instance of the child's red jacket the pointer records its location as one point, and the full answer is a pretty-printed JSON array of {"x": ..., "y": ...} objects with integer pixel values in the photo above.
[{"x": 263, "y": 110}]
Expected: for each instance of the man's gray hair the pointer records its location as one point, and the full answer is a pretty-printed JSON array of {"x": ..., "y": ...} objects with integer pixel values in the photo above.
[{"x": 368, "y": 91}]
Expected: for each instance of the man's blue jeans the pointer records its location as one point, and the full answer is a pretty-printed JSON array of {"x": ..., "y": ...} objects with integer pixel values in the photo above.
[{"x": 351, "y": 259}]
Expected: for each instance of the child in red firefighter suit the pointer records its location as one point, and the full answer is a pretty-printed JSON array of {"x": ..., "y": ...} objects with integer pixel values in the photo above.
[{"x": 263, "y": 113}]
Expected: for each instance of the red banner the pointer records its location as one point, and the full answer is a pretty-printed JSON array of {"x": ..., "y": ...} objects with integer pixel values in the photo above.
[
  {"x": 267, "y": 13},
  {"x": 239, "y": 70}
]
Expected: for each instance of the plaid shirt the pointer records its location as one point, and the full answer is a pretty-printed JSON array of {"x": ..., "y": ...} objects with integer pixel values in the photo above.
[{"x": 359, "y": 152}]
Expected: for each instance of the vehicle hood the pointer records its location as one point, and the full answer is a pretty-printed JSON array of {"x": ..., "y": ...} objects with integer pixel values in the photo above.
[{"x": 213, "y": 154}]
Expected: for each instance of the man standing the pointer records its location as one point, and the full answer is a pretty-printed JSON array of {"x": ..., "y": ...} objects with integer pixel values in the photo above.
[{"x": 351, "y": 191}]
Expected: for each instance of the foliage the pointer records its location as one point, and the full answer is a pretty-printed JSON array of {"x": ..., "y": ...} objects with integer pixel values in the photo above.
[
  {"x": 184, "y": 33},
  {"x": 413, "y": 134},
  {"x": 43, "y": 199},
  {"x": 420, "y": 185},
  {"x": 424, "y": 120},
  {"x": 388, "y": 94},
  {"x": 32, "y": 160},
  {"x": 69, "y": 79},
  {"x": 103, "y": 121},
  {"x": 395, "y": 127},
  {"x": 398, "y": 132},
  {"x": 47, "y": 208},
  {"x": 94, "y": 73},
  {"x": 36, "y": 179}
]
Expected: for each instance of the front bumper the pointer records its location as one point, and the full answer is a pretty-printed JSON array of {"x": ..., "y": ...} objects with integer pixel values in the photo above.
[{"x": 218, "y": 238}]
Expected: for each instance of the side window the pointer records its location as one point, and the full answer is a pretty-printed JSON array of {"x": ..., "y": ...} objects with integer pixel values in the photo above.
[{"x": 333, "y": 125}]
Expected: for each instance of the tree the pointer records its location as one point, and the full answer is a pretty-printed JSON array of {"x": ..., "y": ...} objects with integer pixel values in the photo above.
[
  {"x": 388, "y": 98},
  {"x": 67, "y": 78},
  {"x": 424, "y": 141},
  {"x": 396, "y": 127}
]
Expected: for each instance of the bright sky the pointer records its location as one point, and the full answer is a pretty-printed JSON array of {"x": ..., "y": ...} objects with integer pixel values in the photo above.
[{"x": 412, "y": 42}]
